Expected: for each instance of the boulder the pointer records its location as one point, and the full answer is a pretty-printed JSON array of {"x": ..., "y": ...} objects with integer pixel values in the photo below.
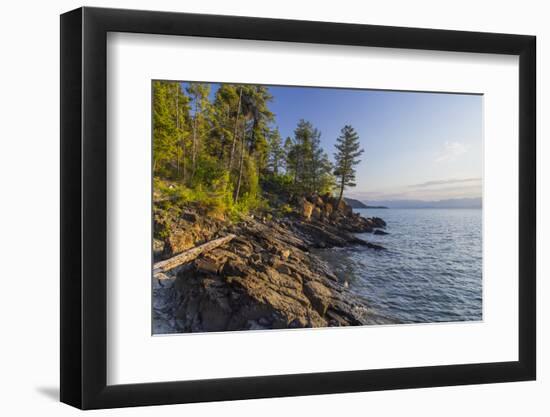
[
  {"x": 316, "y": 214},
  {"x": 318, "y": 201},
  {"x": 179, "y": 231},
  {"x": 306, "y": 208},
  {"x": 178, "y": 241}
]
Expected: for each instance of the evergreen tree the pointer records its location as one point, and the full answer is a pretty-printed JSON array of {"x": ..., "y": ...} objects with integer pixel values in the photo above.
[
  {"x": 324, "y": 175},
  {"x": 241, "y": 165},
  {"x": 291, "y": 158},
  {"x": 227, "y": 109},
  {"x": 199, "y": 96},
  {"x": 223, "y": 119},
  {"x": 254, "y": 143},
  {"x": 255, "y": 102},
  {"x": 276, "y": 152},
  {"x": 170, "y": 122},
  {"x": 346, "y": 158},
  {"x": 302, "y": 144},
  {"x": 320, "y": 167},
  {"x": 181, "y": 117},
  {"x": 220, "y": 151},
  {"x": 310, "y": 164}
]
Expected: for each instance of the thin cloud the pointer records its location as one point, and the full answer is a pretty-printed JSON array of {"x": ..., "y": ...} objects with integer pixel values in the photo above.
[
  {"x": 427, "y": 195},
  {"x": 444, "y": 182},
  {"x": 451, "y": 151},
  {"x": 431, "y": 190}
]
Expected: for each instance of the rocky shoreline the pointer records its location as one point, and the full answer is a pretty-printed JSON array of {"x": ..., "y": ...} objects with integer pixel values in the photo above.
[{"x": 264, "y": 278}]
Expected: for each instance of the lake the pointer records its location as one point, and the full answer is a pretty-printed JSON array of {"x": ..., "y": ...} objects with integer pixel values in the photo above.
[{"x": 431, "y": 270}]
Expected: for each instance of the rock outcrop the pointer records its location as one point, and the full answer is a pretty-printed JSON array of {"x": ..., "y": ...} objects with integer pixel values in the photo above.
[
  {"x": 265, "y": 277},
  {"x": 328, "y": 211},
  {"x": 177, "y": 231}
]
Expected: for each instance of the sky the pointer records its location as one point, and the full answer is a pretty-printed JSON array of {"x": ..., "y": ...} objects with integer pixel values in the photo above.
[{"x": 418, "y": 146}]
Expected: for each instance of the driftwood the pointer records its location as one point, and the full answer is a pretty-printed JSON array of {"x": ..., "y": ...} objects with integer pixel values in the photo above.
[{"x": 189, "y": 255}]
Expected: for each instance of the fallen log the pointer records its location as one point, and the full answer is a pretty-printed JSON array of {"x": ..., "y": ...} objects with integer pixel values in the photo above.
[{"x": 189, "y": 255}]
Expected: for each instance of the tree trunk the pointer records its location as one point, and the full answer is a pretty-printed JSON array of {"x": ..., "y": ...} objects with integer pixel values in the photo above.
[
  {"x": 177, "y": 131},
  {"x": 223, "y": 140},
  {"x": 341, "y": 194},
  {"x": 237, "y": 191},
  {"x": 222, "y": 146},
  {"x": 183, "y": 167},
  {"x": 189, "y": 255},
  {"x": 235, "y": 130},
  {"x": 194, "y": 155}
]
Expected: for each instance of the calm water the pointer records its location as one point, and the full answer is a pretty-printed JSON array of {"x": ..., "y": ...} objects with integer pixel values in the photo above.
[{"x": 430, "y": 272}]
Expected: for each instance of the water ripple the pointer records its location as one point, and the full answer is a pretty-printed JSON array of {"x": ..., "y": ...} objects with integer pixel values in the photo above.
[{"x": 430, "y": 272}]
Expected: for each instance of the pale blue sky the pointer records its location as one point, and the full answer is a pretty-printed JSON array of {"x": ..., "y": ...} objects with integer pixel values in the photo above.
[{"x": 425, "y": 146}]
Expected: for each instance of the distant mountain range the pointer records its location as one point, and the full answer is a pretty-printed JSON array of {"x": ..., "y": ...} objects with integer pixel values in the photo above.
[
  {"x": 449, "y": 203},
  {"x": 359, "y": 204}
]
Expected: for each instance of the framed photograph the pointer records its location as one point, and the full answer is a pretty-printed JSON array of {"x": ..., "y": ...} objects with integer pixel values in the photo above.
[{"x": 256, "y": 208}]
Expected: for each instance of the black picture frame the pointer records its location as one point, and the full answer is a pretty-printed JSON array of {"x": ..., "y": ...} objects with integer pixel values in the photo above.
[{"x": 84, "y": 207}]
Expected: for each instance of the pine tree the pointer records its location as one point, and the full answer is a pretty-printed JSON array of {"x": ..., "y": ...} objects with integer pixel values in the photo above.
[
  {"x": 307, "y": 161},
  {"x": 170, "y": 117},
  {"x": 241, "y": 166},
  {"x": 220, "y": 131},
  {"x": 276, "y": 152},
  {"x": 303, "y": 143},
  {"x": 227, "y": 147},
  {"x": 199, "y": 96},
  {"x": 346, "y": 157},
  {"x": 254, "y": 145},
  {"x": 181, "y": 115},
  {"x": 258, "y": 117},
  {"x": 238, "y": 108},
  {"x": 320, "y": 167},
  {"x": 291, "y": 157},
  {"x": 325, "y": 181}
]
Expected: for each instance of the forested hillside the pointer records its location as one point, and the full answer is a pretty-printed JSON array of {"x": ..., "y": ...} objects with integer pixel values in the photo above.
[
  {"x": 238, "y": 208},
  {"x": 223, "y": 150}
]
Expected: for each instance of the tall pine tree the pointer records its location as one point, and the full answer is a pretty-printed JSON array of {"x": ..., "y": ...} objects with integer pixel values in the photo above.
[
  {"x": 170, "y": 129},
  {"x": 276, "y": 152},
  {"x": 346, "y": 158},
  {"x": 199, "y": 96}
]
